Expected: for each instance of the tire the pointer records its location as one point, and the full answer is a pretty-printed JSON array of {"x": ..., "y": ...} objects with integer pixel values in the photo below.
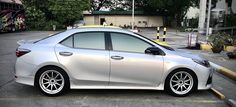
[
  {"x": 181, "y": 86},
  {"x": 52, "y": 81}
]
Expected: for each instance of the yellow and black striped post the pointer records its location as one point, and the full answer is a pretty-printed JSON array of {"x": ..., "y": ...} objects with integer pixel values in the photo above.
[
  {"x": 158, "y": 33},
  {"x": 164, "y": 34}
]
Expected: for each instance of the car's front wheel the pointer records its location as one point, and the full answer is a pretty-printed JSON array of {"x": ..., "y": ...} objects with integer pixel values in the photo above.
[
  {"x": 181, "y": 82},
  {"x": 52, "y": 81}
]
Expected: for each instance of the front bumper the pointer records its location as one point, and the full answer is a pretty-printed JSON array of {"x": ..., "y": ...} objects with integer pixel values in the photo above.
[{"x": 205, "y": 76}]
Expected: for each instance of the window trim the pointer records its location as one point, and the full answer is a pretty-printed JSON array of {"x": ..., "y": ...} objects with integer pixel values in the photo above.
[{"x": 108, "y": 44}]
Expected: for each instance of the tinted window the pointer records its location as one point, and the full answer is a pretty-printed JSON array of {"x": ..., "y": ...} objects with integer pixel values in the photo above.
[
  {"x": 128, "y": 43},
  {"x": 68, "y": 41},
  {"x": 89, "y": 40}
]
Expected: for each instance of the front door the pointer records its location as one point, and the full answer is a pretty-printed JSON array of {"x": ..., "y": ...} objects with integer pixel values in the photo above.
[{"x": 130, "y": 66}]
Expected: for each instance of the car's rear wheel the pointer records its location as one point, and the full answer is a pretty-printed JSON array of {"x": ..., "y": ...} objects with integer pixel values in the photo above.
[
  {"x": 181, "y": 83},
  {"x": 52, "y": 81}
]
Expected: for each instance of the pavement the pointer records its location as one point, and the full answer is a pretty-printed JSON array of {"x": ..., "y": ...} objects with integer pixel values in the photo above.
[
  {"x": 221, "y": 83},
  {"x": 13, "y": 94}
]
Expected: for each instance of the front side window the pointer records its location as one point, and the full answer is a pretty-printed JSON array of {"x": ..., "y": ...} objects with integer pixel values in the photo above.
[
  {"x": 128, "y": 43},
  {"x": 90, "y": 40}
]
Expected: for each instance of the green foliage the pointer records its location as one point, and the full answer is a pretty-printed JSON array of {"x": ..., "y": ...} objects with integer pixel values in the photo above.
[
  {"x": 218, "y": 40},
  {"x": 42, "y": 14},
  {"x": 174, "y": 8},
  {"x": 35, "y": 18},
  {"x": 120, "y": 5},
  {"x": 96, "y": 5}
]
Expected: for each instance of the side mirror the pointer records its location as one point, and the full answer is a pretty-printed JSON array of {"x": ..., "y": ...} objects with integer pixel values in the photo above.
[{"x": 153, "y": 51}]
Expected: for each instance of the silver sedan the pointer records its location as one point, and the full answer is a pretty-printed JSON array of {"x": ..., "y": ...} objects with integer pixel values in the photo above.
[{"x": 108, "y": 58}]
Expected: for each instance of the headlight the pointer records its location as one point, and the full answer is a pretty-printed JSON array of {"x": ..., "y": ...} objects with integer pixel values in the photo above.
[{"x": 204, "y": 63}]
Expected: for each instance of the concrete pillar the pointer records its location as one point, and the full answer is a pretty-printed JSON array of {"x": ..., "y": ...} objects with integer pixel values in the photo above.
[{"x": 202, "y": 16}]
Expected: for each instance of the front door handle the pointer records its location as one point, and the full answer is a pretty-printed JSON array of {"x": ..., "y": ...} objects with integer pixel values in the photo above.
[
  {"x": 117, "y": 57},
  {"x": 65, "y": 53}
]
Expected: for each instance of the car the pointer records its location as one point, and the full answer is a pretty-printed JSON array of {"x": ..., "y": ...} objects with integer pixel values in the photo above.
[
  {"x": 108, "y": 58},
  {"x": 78, "y": 23}
]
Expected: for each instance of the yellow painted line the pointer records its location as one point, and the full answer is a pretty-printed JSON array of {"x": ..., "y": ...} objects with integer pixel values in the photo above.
[
  {"x": 229, "y": 48},
  {"x": 161, "y": 43},
  {"x": 218, "y": 94},
  {"x": 205, "y": 47},
  {"x": 228, "y": 73}
]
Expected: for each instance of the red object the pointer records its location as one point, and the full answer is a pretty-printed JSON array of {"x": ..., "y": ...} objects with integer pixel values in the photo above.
[{"x": 20, "y": 53}]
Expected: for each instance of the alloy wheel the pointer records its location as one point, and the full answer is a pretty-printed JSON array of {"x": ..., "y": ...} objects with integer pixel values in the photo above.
[
  {"x": 181, "y": 82},
  {"x": 51, "y": 81}
]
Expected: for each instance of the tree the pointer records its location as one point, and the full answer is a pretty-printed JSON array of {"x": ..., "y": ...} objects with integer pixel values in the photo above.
[
  {"x": 176, "y": 9},
  {"x": 96, "y": 5},
  {"x": 55, "y": 11}
]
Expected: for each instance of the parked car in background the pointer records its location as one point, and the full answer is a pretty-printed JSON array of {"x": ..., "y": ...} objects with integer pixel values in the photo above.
[
  {"x": 108, "y": 58},
  {"x": 78, "y": 23},
  {"x": 12, "y": 16}
]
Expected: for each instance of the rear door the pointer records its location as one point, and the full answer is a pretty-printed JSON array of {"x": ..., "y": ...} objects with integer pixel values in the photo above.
[{"x": 86, "y": 58}]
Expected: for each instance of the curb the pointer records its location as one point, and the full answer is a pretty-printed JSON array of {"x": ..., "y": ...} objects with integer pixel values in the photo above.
[
  {"x": 228, "y": 73},
  {"x": 221, "y": 96},
  {"x": 231, "y": 102},
  {"x": 207, "y": 47},
  {"x": 218, "y": 94}
]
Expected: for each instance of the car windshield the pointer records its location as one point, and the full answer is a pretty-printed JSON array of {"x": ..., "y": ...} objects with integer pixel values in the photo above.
[{"x": 166, "y": 47}]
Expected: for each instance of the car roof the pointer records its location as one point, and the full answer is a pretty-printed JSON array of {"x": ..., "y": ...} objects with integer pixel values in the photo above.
[
  {"x": 103, "y": 29},
  {"x": 62, "y": 35},
  {"x": 98, "y": 26}
]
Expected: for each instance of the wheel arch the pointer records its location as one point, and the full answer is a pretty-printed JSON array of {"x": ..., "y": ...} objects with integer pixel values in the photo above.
[
  {"x": 183, "y": 69},
  {"x": 46, "y": 67}
]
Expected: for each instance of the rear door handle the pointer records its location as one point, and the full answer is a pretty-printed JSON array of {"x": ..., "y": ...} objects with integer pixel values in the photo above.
[
  {"x": 65, "y": 53},
  {"x": 117, "y": 57}
]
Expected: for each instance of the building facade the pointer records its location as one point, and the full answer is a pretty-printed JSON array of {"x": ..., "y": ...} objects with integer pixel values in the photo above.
[{"x": 122, "y": 19}]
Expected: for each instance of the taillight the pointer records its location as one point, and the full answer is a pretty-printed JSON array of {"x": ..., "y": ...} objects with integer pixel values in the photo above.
[{"x": 20, "y": 52}]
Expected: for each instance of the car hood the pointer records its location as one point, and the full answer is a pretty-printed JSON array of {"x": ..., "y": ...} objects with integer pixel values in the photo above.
[{"x": 187, "y": 54}]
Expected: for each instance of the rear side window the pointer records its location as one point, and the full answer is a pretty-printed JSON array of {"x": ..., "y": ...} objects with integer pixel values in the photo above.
[
  {"x": 68, "y": 41},
  {"x": 90, "y": 40}
]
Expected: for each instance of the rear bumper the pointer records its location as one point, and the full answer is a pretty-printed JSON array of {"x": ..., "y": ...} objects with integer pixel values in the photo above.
[
  {"x": 25, "y": 80},
  {"x": 24, "y": 72}
]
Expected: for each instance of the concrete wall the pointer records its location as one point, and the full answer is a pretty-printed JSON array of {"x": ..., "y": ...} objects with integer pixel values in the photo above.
[
  {"x": 121, "y": 20},
  {"x": 89, "y": 20}
]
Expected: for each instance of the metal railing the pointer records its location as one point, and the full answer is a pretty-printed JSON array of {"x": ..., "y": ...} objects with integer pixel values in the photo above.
[{"x": 229, "y": 30}]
